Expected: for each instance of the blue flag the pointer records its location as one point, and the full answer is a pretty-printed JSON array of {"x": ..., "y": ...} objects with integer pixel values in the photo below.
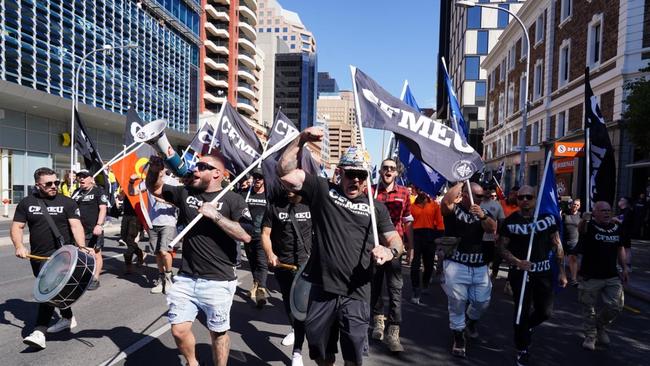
[
  {"x": 456, "y": 116},
  {"x": 418, "y": 173},
  {"x": 548, "y": 204}
]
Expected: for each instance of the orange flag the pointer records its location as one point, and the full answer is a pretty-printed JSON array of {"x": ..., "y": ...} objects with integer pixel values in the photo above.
[{"x": 123, "y": 169}]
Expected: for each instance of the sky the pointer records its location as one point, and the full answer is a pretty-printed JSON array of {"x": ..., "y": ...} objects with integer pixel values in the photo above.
[{"x": 390, "y": 41}]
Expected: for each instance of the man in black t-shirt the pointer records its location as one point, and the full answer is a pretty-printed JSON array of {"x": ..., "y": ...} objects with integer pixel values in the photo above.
[
  {"x": 43, "y": 242},
  {"x": 286, "y": 238},
  {"x": 466, "y": 275},
  {"x": 600, "y": 245},
  {"x": 343, "y": 252},
  {"x": 207, "y": 278},
  {"x": 93, "y": 204},
  {"x": 514, "y": 239},
  {"x": 256, "y": 201}
]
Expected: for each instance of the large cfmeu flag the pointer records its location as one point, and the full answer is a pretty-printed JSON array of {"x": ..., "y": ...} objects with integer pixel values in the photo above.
[
  {"x": 432, "y": 142},
  {"x": 236, "y": 140},
  {"x": 92, "y": 161},
  {"x": 602, "y": 167},
  {"x": 282, "y": 127},
  {"x": 455, "y": 114},
  {"x": 417, "y": 172}
]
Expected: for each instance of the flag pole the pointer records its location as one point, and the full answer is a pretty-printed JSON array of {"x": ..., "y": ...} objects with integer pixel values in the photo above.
[
  {"x": 587, "y": 151},
  {"x": 371, "y": 201},
  {"x": 532, "y": 236},
  {"x": 119, "y": 156},
  {"x": 214, "y": 134}
]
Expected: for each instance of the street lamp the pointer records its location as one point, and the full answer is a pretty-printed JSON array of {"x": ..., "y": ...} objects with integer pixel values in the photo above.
[
  {"x": 524, "y": 115},
  {"x": 75, "y": 78}
]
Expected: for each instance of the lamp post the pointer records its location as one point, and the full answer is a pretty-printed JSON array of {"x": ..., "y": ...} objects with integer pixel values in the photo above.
[
  {"x": 524, "y": 114},
  {"x": 75, "y": 78}
]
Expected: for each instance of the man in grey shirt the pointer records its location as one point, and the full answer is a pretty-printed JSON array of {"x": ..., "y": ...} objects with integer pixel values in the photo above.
[
  {"x": 570, "y": 221},
  {"x": 493, "y": 206}
]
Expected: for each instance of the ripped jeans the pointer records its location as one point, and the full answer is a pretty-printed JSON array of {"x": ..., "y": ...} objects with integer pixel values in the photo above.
[{"x": 463, "y": 283}]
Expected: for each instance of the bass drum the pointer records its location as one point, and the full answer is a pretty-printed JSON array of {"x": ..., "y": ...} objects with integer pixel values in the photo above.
[
  {"x": 64, "y": 277},
  {"x": 299, "y": 297}
]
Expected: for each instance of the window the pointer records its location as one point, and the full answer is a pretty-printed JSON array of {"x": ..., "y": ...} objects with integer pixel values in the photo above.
[
  {"x": 472, "y": 68},
  {"x": 480, "y": 93},
  {"x": 561, "y": 122},
  {"x": 482, "y": 43},
  {"x": 269, "y": 30},
  {"x": 512, "y": 57},
  {"x": 522, "y": 92},
  {"x": 293, "y": 38},
  {"x": 503, "y": 17},
  {"x": 537, "y": 80},
  {"x": 565, "y": 13},
  {"x": 474, "y": 18},
  {"x": 539, "y": 28},
  {"x": 502, "y": 70},
  {"x": 285, "y": 29},
  {"x": 594, "y": 41},
  {"x": 293, "y": 46},
  {"x": 261, "y": 30},
  {"x": 277, "y": 30},
  {"x": 284, "y": 38},
  {"x": 511, "y": 99},
  {"x": 563, "y": 77},
  {"x": 492, "y": 80},
  {"x": 524, "y": 48},
  {"x": 501, "y": 108},
  {"x": 490, "y": 121},
  {"x": 534, "y": 136}
]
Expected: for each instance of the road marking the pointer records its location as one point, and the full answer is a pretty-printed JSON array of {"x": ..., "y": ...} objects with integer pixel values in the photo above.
[
  {"x": 137, "y": 345},
  {"x": 631, "y": 309}
]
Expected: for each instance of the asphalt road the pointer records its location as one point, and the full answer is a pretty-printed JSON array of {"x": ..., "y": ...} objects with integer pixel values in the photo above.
[{"x": 122, "y": 324}]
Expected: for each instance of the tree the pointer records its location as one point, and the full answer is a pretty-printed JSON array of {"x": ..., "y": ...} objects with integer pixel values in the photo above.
[{"x": 637, "y": 113}]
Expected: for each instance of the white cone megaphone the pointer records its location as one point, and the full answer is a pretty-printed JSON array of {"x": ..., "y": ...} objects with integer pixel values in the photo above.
[{"x": 153, "y": 133}]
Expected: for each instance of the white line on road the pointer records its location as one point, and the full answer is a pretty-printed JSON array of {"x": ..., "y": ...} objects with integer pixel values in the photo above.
[{"x": 137, "y": 345}]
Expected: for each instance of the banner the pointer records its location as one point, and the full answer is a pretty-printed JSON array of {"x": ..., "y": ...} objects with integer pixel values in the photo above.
[
  {"x": 602, "y": 167},
  {"x": 236, "y": 140},
  {"x": 455, "y": 114},
  {"x": 429, "y": 141},
  {"x": 92, "y": 161},
  {"x": 569, "y": 149}
]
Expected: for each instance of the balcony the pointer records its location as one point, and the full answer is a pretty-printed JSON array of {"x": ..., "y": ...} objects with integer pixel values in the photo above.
[
  {"x": 245, "y": 90},
  {"x": 216, "y": 63},
  {"x": 219, "y": 30},
  {"x": 218, "y": 12},
  {"x": 217, "y": 47},
  {"x": 250, "y": 46},
  {"x": 246, "y": 106},
  {"x": 222, "y": 2},
  {"x": 213, "y": 99},
  {"x": 252, "y": 4},
  {"x": 248, "y": 13},
  {"x": 245, "y": 74},
  {"x": 248, "y": 30},
  {"x": 246, "y": 58},
  {"x": 217, "y": 81}
]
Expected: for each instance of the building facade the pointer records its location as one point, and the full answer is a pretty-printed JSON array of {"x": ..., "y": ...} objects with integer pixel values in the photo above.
[
  {"x": 466, "y": 37},
  {"x": 43, "y": 42},
  {"x": 339, "y": 112},
  {"x": 270, "y": 45},
  {"x": 286, "y": 25},
  {"x": 326, "y": 83},
  {"x": 295, "y": 87},
  {"x": 566, "y": 36}
]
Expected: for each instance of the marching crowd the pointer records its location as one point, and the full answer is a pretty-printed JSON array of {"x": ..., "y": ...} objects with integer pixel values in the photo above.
[{"x": 323, "y": 232}]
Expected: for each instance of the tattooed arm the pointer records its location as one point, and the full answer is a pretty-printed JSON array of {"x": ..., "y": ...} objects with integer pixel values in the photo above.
[
  {"x": 232, "y": 228},
  {"x": 290, "y": 175},
  {"x": 559, "y": 256},
  {"x": 510, "y": 258}
]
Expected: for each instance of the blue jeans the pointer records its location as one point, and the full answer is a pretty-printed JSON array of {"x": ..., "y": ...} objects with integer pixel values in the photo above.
[
  {"x": 187, "y": 295},
  {"x": 462, "y": 283}
]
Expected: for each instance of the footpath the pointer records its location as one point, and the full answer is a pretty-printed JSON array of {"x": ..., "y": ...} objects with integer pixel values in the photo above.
[{"x": 639, "y": 284}]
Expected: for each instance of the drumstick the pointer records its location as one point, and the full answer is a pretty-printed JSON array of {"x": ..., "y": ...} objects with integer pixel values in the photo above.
[
  {"x": 37, "y": 257},
  {"x": 290, "y": 267}
]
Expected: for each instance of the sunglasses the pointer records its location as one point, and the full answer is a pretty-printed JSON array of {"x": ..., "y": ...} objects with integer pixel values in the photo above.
[
  {"x": 389, "y": 168},
  {"x": 201, "y": 166},
  {"x": 360, "y": 174},
  {"x": 51, "y": 184},
  {"x": 528, "y": 197},
  {"x": 493, "y": 195},
  {"x": 82, "y": 176}
]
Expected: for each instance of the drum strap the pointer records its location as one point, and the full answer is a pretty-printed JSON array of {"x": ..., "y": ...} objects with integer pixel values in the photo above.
[
  {"x": 292, "y": 216},
  {"x": 60, "y": 240}
]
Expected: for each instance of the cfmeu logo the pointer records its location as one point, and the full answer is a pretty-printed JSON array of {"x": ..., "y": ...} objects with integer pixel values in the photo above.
[{"x": 463, "y": 169}]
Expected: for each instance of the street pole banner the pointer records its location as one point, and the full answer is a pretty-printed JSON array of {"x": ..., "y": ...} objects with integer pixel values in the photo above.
[
  {"x": 236, "y": 141},
  {"x": 92, "y": 161},
  {"x": 432, "y": 142},
  {"x": 602, "y": 167}
]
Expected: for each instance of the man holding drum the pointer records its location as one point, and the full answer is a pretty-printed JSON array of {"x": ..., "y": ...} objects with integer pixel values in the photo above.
[
  {"x": 207, "y": 277},
  {"x": 43, "y": 242},
  {"x": 340, "y": 267}
]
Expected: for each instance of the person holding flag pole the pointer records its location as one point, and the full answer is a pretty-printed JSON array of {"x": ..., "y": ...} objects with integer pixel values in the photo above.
[{"x": 526, "y": 239}]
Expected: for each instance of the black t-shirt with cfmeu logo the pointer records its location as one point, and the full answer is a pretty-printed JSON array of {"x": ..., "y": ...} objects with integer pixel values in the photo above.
[
  {"x": 518, "y": 228},
  {"x": 341, "y": 257},
  {"x": 283, "y": 235},
  {"x": 42, "y": 240},
  {"x": 89, "y": 202},
  {"x": 472, "y": 250},
  {"x": 599, "y": 247},
  {"x": 257, "y": 205},
  {"x": 208, "y": 252}
]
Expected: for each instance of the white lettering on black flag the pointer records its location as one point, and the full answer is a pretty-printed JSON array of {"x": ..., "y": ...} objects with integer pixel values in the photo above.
[
  {"x": 431, "y": 142},
  {"x": 236, "y": 141}
]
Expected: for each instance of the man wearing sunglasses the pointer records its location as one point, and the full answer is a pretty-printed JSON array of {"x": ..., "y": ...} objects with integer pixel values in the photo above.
[
  {"x": 43, "y": 242},
  {"x": 397, "y": 200},
  {"x": 207, "y": 278},
  {"x": 93, "y": 204},
  {"x": 340, "y": 267},
  {"x": 514, "y": 239}
]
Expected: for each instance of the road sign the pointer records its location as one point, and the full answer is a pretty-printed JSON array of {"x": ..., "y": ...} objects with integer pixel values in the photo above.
[{"x": 528, "y": 148}]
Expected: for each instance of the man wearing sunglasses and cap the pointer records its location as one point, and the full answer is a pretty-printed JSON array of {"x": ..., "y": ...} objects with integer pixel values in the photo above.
[
  {"x": 341, "y": 264},
  {"x": 93, "y": 204},
  {"x": 43, "y": 241}
]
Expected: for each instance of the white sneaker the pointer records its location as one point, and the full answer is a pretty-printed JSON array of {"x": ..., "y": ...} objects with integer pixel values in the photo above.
[
  {"x": 289, "y": 339},
  {"x": 36, "y": 339},
  {"x": 296, "y": 359},
  {"x": 62, "y": 324},
  {"x": 415, "y": 300}
]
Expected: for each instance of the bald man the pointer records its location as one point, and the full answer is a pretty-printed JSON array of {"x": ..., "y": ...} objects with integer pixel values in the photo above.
[
  {"x": 466, "y": 276},
  {"x": 514, "y": 239}
]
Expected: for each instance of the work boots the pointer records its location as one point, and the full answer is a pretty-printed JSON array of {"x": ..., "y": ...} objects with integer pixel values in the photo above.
[
  {"x": 392, "y": 339},
  {"x": 378, "y": 327}
]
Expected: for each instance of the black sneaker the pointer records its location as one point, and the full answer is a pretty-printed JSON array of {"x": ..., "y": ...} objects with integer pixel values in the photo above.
[
  {"x": 523, "y": 358},
  {"x": 94, "y": 284},
  {"x": 471, "y": 328},
  {"x": 458, "y": 347}
]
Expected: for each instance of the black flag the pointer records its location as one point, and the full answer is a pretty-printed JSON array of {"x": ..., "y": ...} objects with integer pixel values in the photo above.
[
  {"x": 429, "y": 141},
  {"x": 602, "y": 167},
  {"x": 236, "y": 141},
  {"x": 92, "y": 161},
  {"x": 133, "y": 124}
]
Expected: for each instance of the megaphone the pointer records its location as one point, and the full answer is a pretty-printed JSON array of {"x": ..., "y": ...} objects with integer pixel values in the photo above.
[{"x": 153, "y": 133}]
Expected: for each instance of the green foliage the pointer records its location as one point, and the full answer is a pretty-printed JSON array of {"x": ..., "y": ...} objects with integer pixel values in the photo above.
[{"x": 637, "y": 113}]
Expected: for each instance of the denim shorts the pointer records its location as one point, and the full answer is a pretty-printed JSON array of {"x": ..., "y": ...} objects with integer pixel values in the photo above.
[{"x": 187, "y": 295}]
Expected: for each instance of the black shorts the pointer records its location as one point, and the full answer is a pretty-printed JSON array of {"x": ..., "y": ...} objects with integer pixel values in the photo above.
[
  {"x": 571, "y": 250},
  {"x": 94, "y": 241},
  {"x": 330, "y": 315}
]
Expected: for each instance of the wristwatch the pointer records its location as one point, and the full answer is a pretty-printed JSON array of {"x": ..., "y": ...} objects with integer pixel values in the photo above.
[{"x": 395, "y": 252}]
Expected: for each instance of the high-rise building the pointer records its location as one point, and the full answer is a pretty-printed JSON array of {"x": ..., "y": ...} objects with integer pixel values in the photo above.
[
  {"x": 230, "y": 67},
  {"x": 466, "y": 37},
  {"x": 286, "y": 25},
  {"x": 295, "y": 87},
  {"x": 270, "y": 45},
  {"x": 339, "y": 112},
  {"x": 326, "y": 83},
  {"x": 44, "y": 42}
]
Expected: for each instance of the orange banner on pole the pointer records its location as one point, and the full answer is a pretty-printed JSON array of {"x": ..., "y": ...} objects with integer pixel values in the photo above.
[
  {"x": 562, "y": 166},
  {"x": 569, "y": 149},
  {"x": 123, "y": 169}
]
